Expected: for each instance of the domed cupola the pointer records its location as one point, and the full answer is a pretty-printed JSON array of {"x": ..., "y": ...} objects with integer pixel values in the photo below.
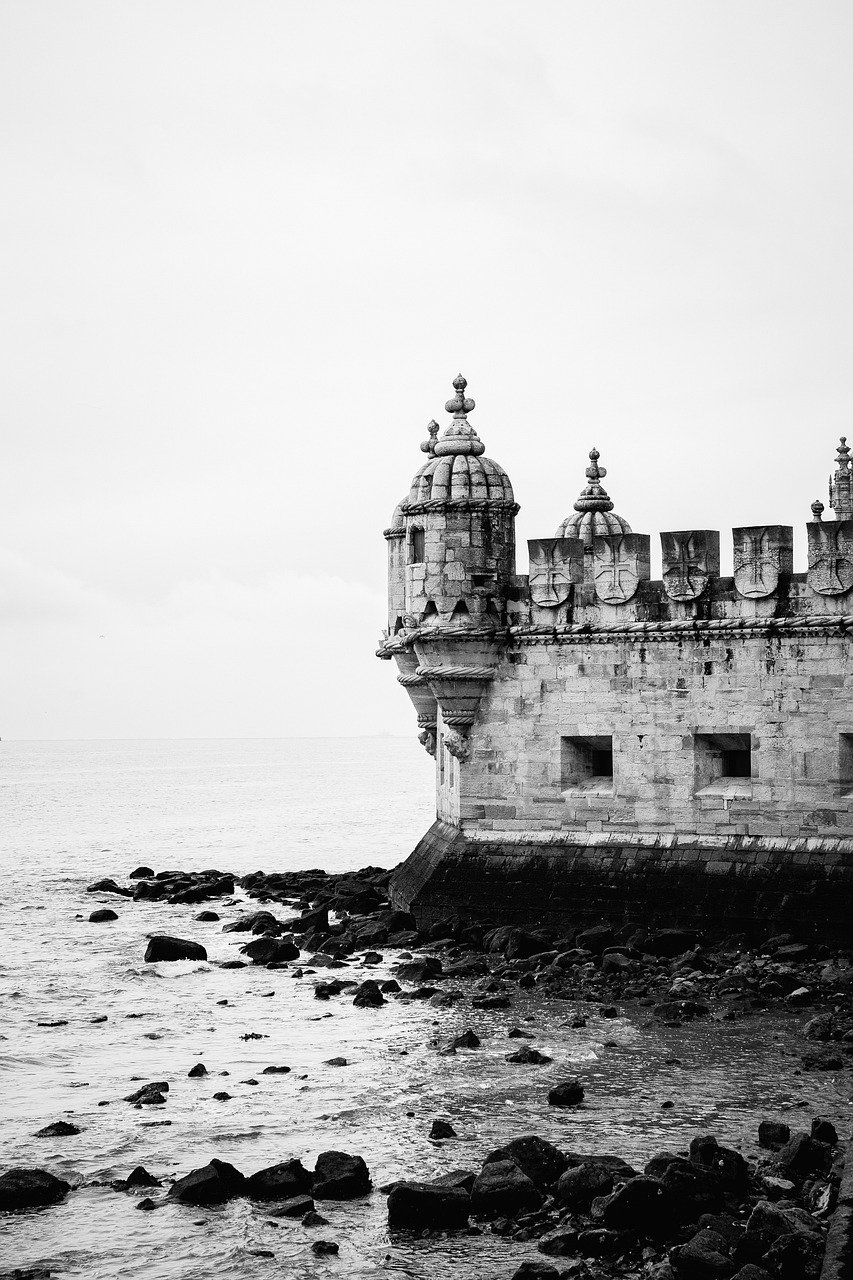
[
  {"x": 457, "y": 470},
  {"x": 594, "y": 515}
]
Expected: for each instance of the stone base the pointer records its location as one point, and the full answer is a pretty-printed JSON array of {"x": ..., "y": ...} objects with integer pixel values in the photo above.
[{"x": 739, "y": 885}]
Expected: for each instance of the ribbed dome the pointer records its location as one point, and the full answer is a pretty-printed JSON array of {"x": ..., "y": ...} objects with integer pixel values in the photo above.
[
  {"x": 457, "y": 469},
  {"x": 594, "y": 516},
  {"x": 460, "y": 476},
  {"x": 592, "y": 524}
]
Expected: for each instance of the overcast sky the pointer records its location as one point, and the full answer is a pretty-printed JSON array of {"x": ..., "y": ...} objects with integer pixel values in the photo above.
[{"x": 246, "y": 245}]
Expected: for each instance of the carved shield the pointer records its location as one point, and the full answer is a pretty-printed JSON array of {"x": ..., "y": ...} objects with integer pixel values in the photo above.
[
  {"x": 763, "y": 554},
  {"x": 620, "y": 561},
  {"x": 830, "y": 557},
  {"x": 690, "y": 558},
  {"x": 555, "y": 564}
]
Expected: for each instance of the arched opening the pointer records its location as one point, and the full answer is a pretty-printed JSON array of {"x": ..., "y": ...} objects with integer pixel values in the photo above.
[
  {"x": 430, "y": 611},
  {"x": 460, "y": 611},
  {"x": 416, "y": 545}
]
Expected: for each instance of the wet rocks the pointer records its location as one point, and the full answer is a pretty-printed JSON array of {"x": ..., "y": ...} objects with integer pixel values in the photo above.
[
  {"x": 276, "y": 1071},
  {"x": 30, "y": 1188},
  {"x": 163, "y": 947},
  {"x": 258, "y": 922},
  {"x": 538, "y": 1159},
  {"x": 368, "y": 995},
  {"x": 426, "y": 1206},
  {"x": 215, "y": 1183},
  {"x": 197, "y": 1071},
  {"x": 266, "y": 950},
  {"x": 109, "y": 886},
  {"x": 141, "y": 873},
  {"x": 468, "y": 1039},
  {"x": 441, "y": 1129},
  {"x": 642, "y": 1205},
  {"x": 208, "y": 917},
  {"x": 59, "y": 1129},
  {"x": 578, "y": 1187},
  {"x": 502, "y": 1190},
  {"x": 568, "y": 1093},
  {"x": 149, "y": 1095},
  {"x": 803, "y": 1156},
  {"x": 296, "y": 1207},
  {"x": 325, "y": 1248},
  {"x": 102, "y": 916},
  {"x": 339, "y": 1176},
  {"x": 773, "y": 1134},
  {"x": 140, "y": 1177},
  {"x": 283, "y": 1181},
  {"x": 527, "y": 1056}
]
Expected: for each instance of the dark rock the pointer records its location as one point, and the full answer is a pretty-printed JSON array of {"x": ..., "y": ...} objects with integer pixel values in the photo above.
[
  {"x": 822, "y": 1060},
  {"x": 314, "y": 1219},
  {"x": 441, "y": 1129},
  {"x": 324, "y": 1248},
  {"x": 559, "y": 1243},
  {"x": 390, "y": 987},
  {"x": 578, "y": 1187},
  {"x": 680, "y": 1010},
  {"x": 423, "y": 1206},
  {"x": 803, "y": 1156},
  {"x": 337, "y": 1062},
  {"x": 257, "y": 922},
  {"x": 795, "y": 1257},
  {"x": 162, "y": 947},
  {"x": 773, "y": 1134},
  {"x": 643, "y": 1204},
  {"x": 502, "y": 1190},
  {"x": 694, "y": 1189},
  {"x": 419, "y": 970},
  {"x": 140, "y": 1177},
  {"x": 527, "y": 1056},
  {"x": 751, "y": 1272},
  {"x": 109, "y": 886},
  {"x": 276, "y": 1071},
  {"x": 668, "y": 943},
  {"x": 467, "y": 1040},
  {"x": 296, "y": 1207},
  {"x": 368, "y": 995},
  {"x": 213, "y": 1184},
  {"x": 102, "y": 915},
  {"x": 490, "y": 1002},
  {"x": 198, "y": 1070},
  {"x": 729, "y": 1165},
  {"x": 461, "y": 1179},
  {"x": 595, "y": 939},
  {"x": 59, "y": 1129},
  {"x": 823, "y": 1131},
  {"x": 209, "y": 917},
  {"x": 568, "y": 1093},
  {"x": 539, "y": 1160},
  {"x": 270, "y": 950},
  {"x": 535, "y": 1270},
  {"x": 29, "y": 1188},
  {"x": 222, "y": 1096},
  {"x": 704, "y": 1257},
  {"x": 338, "y": 1176},
  {"x": 280, "y": 1182},
  {"x": 141, "y": 873},
  {"x": 150, "y": 1095},
  {"x": 600, "y": 1242},
  {"x": 146, "y": 1204}
]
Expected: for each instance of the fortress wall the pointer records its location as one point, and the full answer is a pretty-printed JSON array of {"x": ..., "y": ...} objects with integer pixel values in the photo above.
[{"x": 792, "y": 694}]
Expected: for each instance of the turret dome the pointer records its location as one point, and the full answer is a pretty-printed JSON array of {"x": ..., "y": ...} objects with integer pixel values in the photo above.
[
  {"x": 593, "y": 514},
  {"x": 457, "y": 469}
]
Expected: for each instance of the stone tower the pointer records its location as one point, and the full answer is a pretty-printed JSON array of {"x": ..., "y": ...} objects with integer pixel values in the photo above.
[{"x": 451, "y": 566}]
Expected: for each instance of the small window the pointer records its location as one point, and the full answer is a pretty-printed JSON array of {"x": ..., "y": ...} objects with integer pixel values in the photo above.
[
  {"x": 478, "y": 579},
  {"x": 586, "y": 763},
  {"x": 416, "y": 546},
  {"x": 845, "y": 764},
  {"x": 721, "y": 757}
]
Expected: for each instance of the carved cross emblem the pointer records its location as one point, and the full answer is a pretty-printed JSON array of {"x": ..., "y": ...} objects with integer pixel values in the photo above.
[
  {"x": 830, "y": 557},
  {"x": 616, "y": 571},
  {"x": 756, "y": 570},
  {"x": 555, "y": 564},
  {"x": 689, "y": 559}
]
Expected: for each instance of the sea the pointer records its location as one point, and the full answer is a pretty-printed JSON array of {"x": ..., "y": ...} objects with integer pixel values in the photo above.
[{"x": 84, "y": 1021}]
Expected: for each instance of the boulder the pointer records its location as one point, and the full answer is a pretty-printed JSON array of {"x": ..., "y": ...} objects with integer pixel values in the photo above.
[
  {"x": 197, "y": 1071},
  {"x": 280, "y": 1182},
  {"x": 773, "y": 1134},
  {"x": 258, "y": 922},
  {"x": 102, "y": 916},
  {"x": 803, "y": 1156},
  {"x": 560, "y": 1243},
  {"x": 538, "y": 1159},
  {"x": 825, "y": 1132},
  {"x": 368, "y": 995},
  {"x": 668, "y": 943},
  {"x": 30, "y": 1188},
  {"x": 296, "y": 1207},
  {"x": 728, "y": 1165},
  {"x": 502, "y": 1190},
  {"x": 772, "y": 1221},
  {"x": 536, "y": 1270},
  {"x": 595, "y": 939},
  {"x": 213, "y": 1184},
  {"x": 141, "y": 873},
  {"x": 527, "y": 1056},
  {"x": 266, "y": 950},
  {"x": 578, "y": 1187},
  {"x": 693, "y": 1188},
  {"x": 162, "y": 947},
  {"x": 467, "y": 1040},
  {"x": 338, "y": 1176},
  {"x": 441, "y": 1129},
  {"x": 109, "y": 886},
  {"x": 59, "y": 1129},
  {"x": 140, "y": 1177},
  {"x": 568, "y": 1093},
  {"x": 423, "y": 1206},
  {"x": 643, "y": 1204},
  {"x": 704, "y": 1257}
]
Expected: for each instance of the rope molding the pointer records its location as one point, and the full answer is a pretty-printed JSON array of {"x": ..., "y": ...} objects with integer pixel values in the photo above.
[
  {"x": 827, "y": 623},
  {"x": 456, "y": 673},
  {"x": 409, "y": 681},
  {"x": 459, "y": 504}
]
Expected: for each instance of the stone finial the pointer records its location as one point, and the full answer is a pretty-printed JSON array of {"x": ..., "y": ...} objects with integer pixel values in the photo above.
[
  {"x": 594, "y": 497},
  {"x": 428, "y": 446},
  {"x": 817, "y": 509},
  {"x": 841, "y": 484},
  {"x": 460, "y": 436},
  {"x": 461, "y": 404}
]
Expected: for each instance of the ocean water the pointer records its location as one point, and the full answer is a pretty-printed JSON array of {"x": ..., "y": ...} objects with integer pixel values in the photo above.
[{"x": 74, "y": 812}]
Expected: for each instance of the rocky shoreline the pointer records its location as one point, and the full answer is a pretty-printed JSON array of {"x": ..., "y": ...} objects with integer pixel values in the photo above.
[{"x": 704, "y": 1211}]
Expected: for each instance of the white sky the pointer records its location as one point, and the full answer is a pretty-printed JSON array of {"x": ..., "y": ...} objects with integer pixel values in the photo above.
[{"x": 246, "y": 245}]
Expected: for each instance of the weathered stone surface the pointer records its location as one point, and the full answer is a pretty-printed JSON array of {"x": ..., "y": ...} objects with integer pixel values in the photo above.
[
  {"x": 501, "y": 1189},
  {"x": 280, "y": 1182},
  {"x": 162, "y": 947},
  {"x": 423, "y": 1206},
  {"x": 213, "y": 1184},
  {"x": 30, "y": 1188},
  {"x": 339, "y": 1176},
  {"x": 538, "y": 1159}
]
